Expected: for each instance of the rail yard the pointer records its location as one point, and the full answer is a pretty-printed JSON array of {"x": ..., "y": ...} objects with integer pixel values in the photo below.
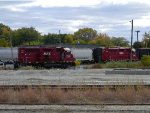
[
  {"x": 77, "y": 56},
  {"x": 77, "y": 80},
  {"x": 75, "y": 87},
  {"x": 71, "y": 77}
]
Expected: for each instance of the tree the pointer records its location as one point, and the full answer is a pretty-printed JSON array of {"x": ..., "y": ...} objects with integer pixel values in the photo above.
[
  {"x": 4, "y": 43},
  {"x": 68, "y": 39},
  {"x": 146, "y": 39},
  {"x": 103, "y": 40},
  {"x": 4, "y": 30},
  {"x": 120, "y": 41},
  {"x": 51, "y": 39},
  {"x": 17, "y": 39},
  {"x": 62, "y": 37},
  {"x": 4, "y": 35},
  {"x": 26, "y": 35},
  {"x": 137, "y": 45},
  {"x": 54, "y": 38},
  {"x": 86, "y": 34}
]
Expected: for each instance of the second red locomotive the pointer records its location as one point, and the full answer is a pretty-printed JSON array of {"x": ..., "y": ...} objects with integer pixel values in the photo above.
[{"x": 113, "y": 54}]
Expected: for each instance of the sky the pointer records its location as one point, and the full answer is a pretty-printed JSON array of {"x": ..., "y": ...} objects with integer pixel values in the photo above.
[{"x": 106, "y": 16}]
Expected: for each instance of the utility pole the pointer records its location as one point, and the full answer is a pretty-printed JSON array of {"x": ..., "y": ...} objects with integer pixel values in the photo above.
[
  {"x": 10, "y": 38},
  {"x": 137, "y": 35},
  {"x": 59, "y": 38},
  {"x": 131, "y": 38}
]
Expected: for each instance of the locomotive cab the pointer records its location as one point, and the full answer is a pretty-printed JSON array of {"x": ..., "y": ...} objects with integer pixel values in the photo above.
[{"x": 68, "y": 56}]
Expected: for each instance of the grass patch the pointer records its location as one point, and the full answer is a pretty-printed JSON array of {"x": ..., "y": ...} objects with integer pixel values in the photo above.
[
  {"x": 123, "y": 65},
  {"x": 119, "y": 64}
]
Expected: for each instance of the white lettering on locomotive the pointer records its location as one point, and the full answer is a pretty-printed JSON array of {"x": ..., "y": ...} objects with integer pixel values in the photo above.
[{"x": 47, "y": 53}]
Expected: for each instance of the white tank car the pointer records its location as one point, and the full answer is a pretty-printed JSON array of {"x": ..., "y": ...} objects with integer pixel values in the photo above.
[
  {"x": 83, "y": 54},
  {"x": 5, "y": 54}
]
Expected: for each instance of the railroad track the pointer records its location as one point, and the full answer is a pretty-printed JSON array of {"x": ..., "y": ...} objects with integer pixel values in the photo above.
[
  {"x": 75, "y": 109},
  {"x": 69, "y": 87}
]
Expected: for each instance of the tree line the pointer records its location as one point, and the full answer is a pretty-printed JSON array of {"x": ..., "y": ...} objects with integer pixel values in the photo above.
[{"x": 30, "y": 36}]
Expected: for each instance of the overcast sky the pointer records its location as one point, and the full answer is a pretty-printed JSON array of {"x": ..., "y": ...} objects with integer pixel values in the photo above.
[{"x": 105, "y": 16}]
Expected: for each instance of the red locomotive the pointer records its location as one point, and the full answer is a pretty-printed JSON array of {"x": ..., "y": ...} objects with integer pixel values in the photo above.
[
  {"x": 113, "y": 54},
  {"x": 45, "y": 56}
]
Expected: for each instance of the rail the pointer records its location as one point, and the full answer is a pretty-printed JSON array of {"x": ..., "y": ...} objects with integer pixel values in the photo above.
[{"x": 69, "y": 87}]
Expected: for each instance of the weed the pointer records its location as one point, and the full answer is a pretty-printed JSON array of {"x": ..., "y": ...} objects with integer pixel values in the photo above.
[{"x": 124, "y": 95}]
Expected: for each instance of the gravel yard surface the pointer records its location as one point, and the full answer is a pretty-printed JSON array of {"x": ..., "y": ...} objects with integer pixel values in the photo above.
[
  {"x": 68, "y": 77},
  {"x": 74, "y": 109}
]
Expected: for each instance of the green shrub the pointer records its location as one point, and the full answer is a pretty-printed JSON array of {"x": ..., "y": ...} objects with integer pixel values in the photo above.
[
  {"x": 145, "y": 60},
  {"x": 122, "y": 64},
  {"x": 77, "y": 63}
]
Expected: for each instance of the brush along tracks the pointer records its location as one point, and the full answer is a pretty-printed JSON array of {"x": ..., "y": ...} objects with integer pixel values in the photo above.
[{"x": 75, "y": 94}]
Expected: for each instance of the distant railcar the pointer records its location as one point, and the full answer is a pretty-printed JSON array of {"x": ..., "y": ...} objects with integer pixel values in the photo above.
[
  {"x": 142, "y": 51},
  {"x": 113, "y": 54}
]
